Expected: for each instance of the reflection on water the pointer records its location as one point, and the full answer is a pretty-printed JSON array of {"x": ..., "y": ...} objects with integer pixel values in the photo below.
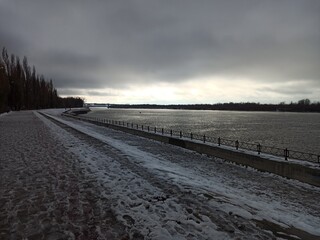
[{"x": 296, "y": 131}]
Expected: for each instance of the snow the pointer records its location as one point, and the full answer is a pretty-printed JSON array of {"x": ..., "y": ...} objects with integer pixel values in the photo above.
[
  {"x": 165, "y": 192},
  {"x": 4, "y": 114}
]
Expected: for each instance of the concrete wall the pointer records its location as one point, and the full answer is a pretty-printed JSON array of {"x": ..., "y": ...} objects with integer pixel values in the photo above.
[{"x": 285, "y": 169}]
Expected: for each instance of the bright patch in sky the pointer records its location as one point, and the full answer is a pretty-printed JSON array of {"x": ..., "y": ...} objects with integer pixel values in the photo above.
[{"x": 201, "y": 90}]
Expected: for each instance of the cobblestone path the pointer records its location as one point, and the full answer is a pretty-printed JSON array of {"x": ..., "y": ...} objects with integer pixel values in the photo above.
[{"x": 43, "y": 192}]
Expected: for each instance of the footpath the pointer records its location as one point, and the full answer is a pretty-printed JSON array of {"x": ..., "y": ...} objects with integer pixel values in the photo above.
[
  {"x": 62, "y": 178},
  {"x": 43, "y": 191}
]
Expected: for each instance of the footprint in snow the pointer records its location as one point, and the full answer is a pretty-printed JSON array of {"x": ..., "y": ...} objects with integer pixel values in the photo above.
[{"x": 129, "y": 220}]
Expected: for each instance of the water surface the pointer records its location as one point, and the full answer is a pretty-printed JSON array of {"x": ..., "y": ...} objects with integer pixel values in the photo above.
[{"x": 295, "y": 131}]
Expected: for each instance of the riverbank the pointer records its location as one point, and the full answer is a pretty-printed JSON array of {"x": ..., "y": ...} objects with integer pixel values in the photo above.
[
  {"x": 84, "y": 180},
  {"x": 303, "y": 105}
]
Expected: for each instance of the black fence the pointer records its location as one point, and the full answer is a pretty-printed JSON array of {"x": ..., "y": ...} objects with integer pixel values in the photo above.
[{"x": 258, "y": 148}]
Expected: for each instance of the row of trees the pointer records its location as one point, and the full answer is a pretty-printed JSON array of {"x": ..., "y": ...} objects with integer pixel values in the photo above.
[
  {"x": 303, "y": 105},
  {"x": 22, "y": 88}
]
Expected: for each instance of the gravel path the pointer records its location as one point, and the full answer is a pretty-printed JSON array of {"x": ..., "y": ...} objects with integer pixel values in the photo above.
[{"x": 43, "y": 191}]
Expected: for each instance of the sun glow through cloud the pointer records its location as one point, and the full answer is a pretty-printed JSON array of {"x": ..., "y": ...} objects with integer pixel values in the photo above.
[{"x": 210, "y": 89}]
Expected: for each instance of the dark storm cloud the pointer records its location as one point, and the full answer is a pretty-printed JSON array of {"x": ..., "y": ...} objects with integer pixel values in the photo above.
[
  {"x": 93, "y": 44},
  {"x": 70, "y": 92},
  {"x": 11, "y": 41},
  {"x": 70, "y": 69},
  {"x": 75, "y": 80},
  {"x": 69, "y": 60},
  {"x": 96, "y": 93}
]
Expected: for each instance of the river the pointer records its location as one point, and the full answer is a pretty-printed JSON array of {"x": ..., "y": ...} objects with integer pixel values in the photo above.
[{"x": 295, "y": 131}]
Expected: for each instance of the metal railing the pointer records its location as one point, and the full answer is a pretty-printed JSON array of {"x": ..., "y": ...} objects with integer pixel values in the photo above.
[{"x": 253, "y": 147}]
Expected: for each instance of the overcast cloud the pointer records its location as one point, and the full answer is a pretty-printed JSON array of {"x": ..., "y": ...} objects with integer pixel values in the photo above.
[{"x": 170, "y": 51}]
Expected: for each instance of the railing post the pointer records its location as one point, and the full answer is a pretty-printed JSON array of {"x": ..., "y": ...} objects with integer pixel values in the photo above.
[
  {"x": 142, "y": 127},
  {"x": 286, "y": 154},
  {"x": 180, "y": 134},
  {"x": 191, "y": 136},
  {"x": 162, "y": 131},
  {"x": 219, "y": 141},
  {"x": 148, "y": 128},
  {"x": 237, "y": 144},
  {"x": 259, "y": 148},
  {"x": 204, "y": 138},
  {"x": 155, "y": 129},
  {"x": 171, "y": 132}
]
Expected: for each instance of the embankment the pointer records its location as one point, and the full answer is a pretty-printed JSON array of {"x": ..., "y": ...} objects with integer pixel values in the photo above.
[{"x": 307, "y": 173}]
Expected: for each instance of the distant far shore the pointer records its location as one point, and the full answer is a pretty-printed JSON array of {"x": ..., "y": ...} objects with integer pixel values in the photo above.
[{"x": 301, "y": 106}]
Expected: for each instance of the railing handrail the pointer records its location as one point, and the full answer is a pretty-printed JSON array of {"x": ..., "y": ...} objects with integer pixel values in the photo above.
[{"x": 276, "y": 151}]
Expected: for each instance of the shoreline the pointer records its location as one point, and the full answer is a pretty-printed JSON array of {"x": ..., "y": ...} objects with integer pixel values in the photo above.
[{"x": 146, "y": 189}]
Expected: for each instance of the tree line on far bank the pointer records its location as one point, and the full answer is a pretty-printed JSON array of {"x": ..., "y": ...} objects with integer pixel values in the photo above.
[
  {"x": 21, "y": 87},
  {"x": 303, "y": 105}
]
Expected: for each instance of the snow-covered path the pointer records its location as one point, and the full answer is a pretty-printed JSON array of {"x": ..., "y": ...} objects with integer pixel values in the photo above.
[
  {"x": 159, "y": 191},
  {"x": 190, "y": 193},
  {"x": 44, "y": 193}
]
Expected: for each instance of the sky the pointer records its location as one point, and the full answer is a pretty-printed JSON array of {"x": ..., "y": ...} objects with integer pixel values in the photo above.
[{"x": 161, "y": 51}]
